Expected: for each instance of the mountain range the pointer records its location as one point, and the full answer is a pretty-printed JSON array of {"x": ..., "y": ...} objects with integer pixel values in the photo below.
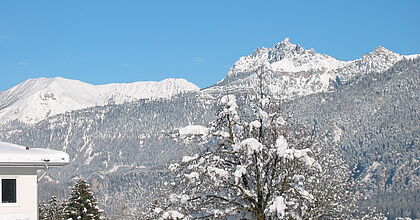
[
  {"x": 120, "y": 136},
  {"x": 37, "y": 99}
]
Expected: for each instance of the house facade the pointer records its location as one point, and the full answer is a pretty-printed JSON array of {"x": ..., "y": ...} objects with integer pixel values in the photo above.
[{"x": 19, "y": 179}]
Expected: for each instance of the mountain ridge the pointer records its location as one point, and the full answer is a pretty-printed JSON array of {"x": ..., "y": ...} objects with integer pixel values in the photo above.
[
  {"x": 295, "y": 71},
  {"x": 37, "y": 99}
]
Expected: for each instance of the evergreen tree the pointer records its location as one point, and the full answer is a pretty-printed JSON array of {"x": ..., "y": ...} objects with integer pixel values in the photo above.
[
  {"x": 82, "y": 204},
  {"x": 53, "y": 210},
  {"x": 41, "y": 211}
]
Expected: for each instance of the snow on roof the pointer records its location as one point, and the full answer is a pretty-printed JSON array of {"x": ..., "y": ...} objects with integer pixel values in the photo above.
[
  {"x": 14, "y": 217},
  {"x": 16, "y": 155}
]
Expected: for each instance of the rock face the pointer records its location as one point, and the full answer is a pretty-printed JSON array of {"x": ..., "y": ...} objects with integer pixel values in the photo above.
[
  {"x": 37, "y": 99},
  {"x": 367, "y": 108},
  {"x": 294, "y": 71},
  {"x": 286, "y": 57}
]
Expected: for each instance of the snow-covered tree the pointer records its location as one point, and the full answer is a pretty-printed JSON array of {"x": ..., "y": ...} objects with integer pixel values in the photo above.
[
  {"x": 53, "y": 210},
  {"x": 257, "y": 167},
  {"x": 82, "y": 204}
]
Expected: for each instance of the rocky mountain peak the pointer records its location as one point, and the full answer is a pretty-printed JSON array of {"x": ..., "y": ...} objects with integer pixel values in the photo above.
[
  {"x": 285, "y": 57},
  {"x": 382, "y": 51},
  {"x": 286, "y": 49}
]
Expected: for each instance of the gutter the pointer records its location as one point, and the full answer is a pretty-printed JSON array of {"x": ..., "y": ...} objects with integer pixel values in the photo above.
[
  {"x": 45, "y": 172},
  {"x": 32, "y": 164}
]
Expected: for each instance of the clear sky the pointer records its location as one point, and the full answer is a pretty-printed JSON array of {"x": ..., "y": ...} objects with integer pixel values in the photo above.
[{"x": 133, "y": 40}]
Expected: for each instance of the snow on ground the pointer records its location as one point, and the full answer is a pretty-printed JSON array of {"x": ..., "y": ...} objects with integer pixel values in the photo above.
[
  {"x": 372, "y": 169},
  {"x": 414, "y": 56},
  {"x": 193, "y": 130},
  {"x": 172, "y": 214},
  {"x": 116, "y": 167},
  {"x": 337, "y": 135}
]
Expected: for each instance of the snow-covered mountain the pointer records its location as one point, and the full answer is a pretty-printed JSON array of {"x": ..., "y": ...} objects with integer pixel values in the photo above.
[
  {"x": 286, "y": 57},
  {"x": 294, "y": 71},
  {"x": 291, "y": 70},
  {"x": 124, "y": 150},
  {"x": 37, "y": 99}
]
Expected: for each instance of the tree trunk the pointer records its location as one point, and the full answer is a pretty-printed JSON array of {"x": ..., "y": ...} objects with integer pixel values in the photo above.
[{"x": 260, "y": 216}]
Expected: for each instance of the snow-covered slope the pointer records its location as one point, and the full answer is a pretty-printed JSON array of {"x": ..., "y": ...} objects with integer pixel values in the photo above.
[
  {"x": 123, "y": 92},
  {"x": 293, "y": 71},
  {"x": 37, "y": 99}
]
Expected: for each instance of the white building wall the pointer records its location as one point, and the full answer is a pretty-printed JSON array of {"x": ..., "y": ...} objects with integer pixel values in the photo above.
[{"x": 26, "y": 192}]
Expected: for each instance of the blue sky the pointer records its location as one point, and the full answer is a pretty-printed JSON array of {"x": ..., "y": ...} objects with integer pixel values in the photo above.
[{"x": 132, "y": 40}]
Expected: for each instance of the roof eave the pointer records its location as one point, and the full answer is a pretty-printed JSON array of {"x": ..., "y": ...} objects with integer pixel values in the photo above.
[{"x": 33, "y": 164}]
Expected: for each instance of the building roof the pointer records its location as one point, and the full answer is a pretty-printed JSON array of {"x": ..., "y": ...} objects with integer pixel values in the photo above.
[{"x": 16, "y": 155}]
